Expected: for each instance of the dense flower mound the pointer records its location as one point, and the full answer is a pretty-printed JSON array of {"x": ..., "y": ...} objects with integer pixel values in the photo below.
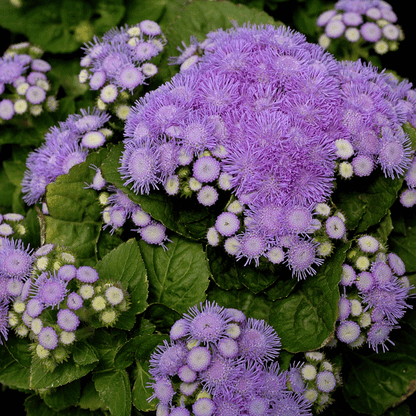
[
  {"x": 43, "y": 296},
  {"x": 375, "y": 295},
  {"x": 66, "y": 145},
  {"x": 271, "y": 119},
  {"x": 120, "y": 61},
  {"x": 12, "y": 224},
  {"x": 218, "y": 362},
  {"x": 24, "y": 87},
  {"x": 363, "y": 21}
]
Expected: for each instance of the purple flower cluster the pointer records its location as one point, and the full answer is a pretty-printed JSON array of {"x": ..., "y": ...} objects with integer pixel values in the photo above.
[
  {"x": 218, "y": 362},
  {"x": 24, "y": 86},
  {"x": 408, "y": 196},
  {"x": 321, "y": 378},
  {"x": 119, "y": 209},
  {"x": 120, "y": 60},
  {"x": 43, "y": 296},
  {"x": 65, "y": 146},
  {"x": 375, "y": 106},
  {"x": 16, "y": 263},
  {"x": 371, "y": 21},
  {"x": 375, "y": 295},
  {"x": 12, "y": 224},
  {"x": 260, "y": 99}
]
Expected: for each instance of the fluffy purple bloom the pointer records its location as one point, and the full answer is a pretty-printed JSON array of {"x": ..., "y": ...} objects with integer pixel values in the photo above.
[
  {"x": 34, "y": 307},
  {"x": 49, "y": 289},
  {"x": 325, "y": 381},
  {"x": 198, "y": 359},
  {"x": 6, "y": 109},
  {"x": 206, "y": 169},
  {"x": 378, "y": 335},
  {"x": 11, "y": 68},
  {"x": 48, "y": 338},
  {"x": 335, "y": 227},
  {"x": 258, "y": 341},
  {"x": 301, "y": 257},
  {"x": 87, "y": 274},
  {"x": 370, "y": 32},
  {"x": 74, "y": 301},
  {"x": 208, "y": 323},
  {"x": 348, "y": 331},
  {"x": 227, "y": 224},
  {"x": 67, "y": 320},
  {"x": 154, "y": 233},
  {"x": 35, "y": 94},
  {"x": 167, "y": 359},
  {"x": 16, "y": 260},
  {"x": 292, "y": 404},
  {"x": 396, "y": 263},
  {"x": 4, "y": 323}
]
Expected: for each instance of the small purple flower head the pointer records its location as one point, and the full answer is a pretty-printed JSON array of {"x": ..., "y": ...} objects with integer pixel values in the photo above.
[
  {"x": 352, "y": 19},
  {"x": 198, "y": 359},
  {"x": 363, "y": 165},
  {"x": 408, "y": 198},
  {"x": 335, "y": 227},
  {"x": 292, "y": 404},
  {"x": 179, "y": 411},
  {"x": 298, "y": 219},
  {"x": 97, "y": 80},
  {"x": 6, "y": 109},
  {"x": 130, "y": 77},
  {"x": 228, "y": 347},
  {"x": 48, "y": 338},
  {"x": 227, "y": 224},
  {"x": 40, "y": 65},
  {"x": 251, "y": 247},
  {"x": 365, "y": 282},
  {"x": 67, "y": 272},
  {"x": 207, "y": 196},
  {"x": 150, "y": 28},
  {"x": 74, "y": 301},
  {"x": 396, "y": 263},
  {"x": 67, "y": 320},
  {"x": 4, "y": 323},
  {"x": 203, "y": 407},
  {"x": 49, "y": 289},
  {"x": 154, "y": 233},
  {"x": 348, "y": 275},
  {"x": 382, "y": 273},
  {"x": 325, "y": 380},
  {"x": 371, "y": 32},
  {"x": 258, "y": 341},
  {"x": 35, "y": 94},
  {"x": 167, "y": 359},
  {"x": 15, "y": 259},
  {"x": 140, "y": 167},
  {"x": 378, "y": 335},
  {"x": 87, "y": 274},
  {"x": 186, "y": 374},
  {"x": 220, "y": 373},
  {"x": 301, "y": 257},
  {"x": 348, "y": 331},
  {"x": 295, "y": 381},
  {"x": 209, "y": 324},
  {"x": 344, "y": 307},
  {"x": 334, "y": 28},
  {"x": 34, "y": 308},
  {"x": 93, "y": 140},
  {"x": 163, "y": 390},
  {"x": 14, "y": 286},
  {"x": 179, "y": 329},
  {"x": 368, "y": 244},
  {"x": 206, "y": 169}
]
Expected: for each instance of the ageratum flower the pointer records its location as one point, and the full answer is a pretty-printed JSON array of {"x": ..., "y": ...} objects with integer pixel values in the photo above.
[
  {"x": 227, "y": 359},
  {"x": 370, "y": 22},
  {"x": 66, "y": 145}
]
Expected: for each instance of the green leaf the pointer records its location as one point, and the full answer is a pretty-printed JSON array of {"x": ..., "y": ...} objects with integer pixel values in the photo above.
[
  {"x": 411, "y": 131},
  {"x": 162, "y": 317},
  {"x": 373, "y": 382},
  {"x": 74, "y": 11},
  {"x": 107, "y": 343},
  {"x": 90, "y": 399},
  {"x": 366, "y": 202},
  {"x": 110, "y": 13},
  {"x": 113, "y": 387},
  {"x": 75, "y": 213},
  {"x": 178, "y": 276},
  {"x": 402, "y": 410},
  {"x": 140, "y": 392},
  {"x": 384, "y": 228},
  {"x": 64, "y": 396},
  {"x": 125, "y": 265},
  {"x": 306, "y": 318},
  {"x": 83, "y": 353},
  {"x": 223, "y": 268},
  {"x": 15, "y": 359},
  {"x": 405, "y": 247},
  {"x": 63, "y": 374}
]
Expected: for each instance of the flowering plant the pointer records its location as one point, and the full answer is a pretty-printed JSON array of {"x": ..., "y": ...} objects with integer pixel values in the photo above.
[{"x": 202, "y": 215}]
